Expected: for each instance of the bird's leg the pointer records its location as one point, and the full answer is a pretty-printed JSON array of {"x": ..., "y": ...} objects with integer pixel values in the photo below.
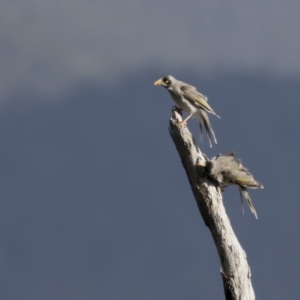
[
  {"x": 222, "y": 187},
  {"x": 184, "y": 122},
  {"x": 219, "y": 189},
  {"x": 178, "y": 109}
]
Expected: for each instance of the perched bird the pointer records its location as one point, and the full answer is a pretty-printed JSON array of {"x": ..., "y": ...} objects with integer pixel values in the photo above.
[
  {"x": 190, "y": 100},
  {"x": 228, "y": 170}
]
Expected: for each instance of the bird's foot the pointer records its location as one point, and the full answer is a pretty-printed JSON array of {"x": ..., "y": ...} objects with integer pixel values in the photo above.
[
  {"x": 182, "y": 123},
  {"x": 222, "y": 188}
]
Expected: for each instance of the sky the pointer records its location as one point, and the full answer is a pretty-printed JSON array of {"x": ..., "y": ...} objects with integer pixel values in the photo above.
[{"x": 94, "y": 201}]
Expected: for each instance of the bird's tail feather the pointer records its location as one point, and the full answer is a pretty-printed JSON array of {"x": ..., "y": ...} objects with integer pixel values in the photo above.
[
  {"x": 204, "y": 120},
  {"x": 242, "y": 201},
  {"x": 201, "y": 129},
  {"x": 244, "y": 192}
]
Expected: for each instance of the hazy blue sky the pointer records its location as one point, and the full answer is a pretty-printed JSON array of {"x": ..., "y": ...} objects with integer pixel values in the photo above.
[
  {"x": 50, "y": 46},
  {"x": 94, "y": 200}
]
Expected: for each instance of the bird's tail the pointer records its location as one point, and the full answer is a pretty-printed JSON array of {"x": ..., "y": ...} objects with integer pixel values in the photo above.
[
  {"x": 204, "y": 121},
  {"x": 244, "y": 193}
]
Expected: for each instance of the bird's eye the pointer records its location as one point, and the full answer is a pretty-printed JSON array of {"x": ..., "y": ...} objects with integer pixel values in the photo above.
[{"x": 166, "y": 81}]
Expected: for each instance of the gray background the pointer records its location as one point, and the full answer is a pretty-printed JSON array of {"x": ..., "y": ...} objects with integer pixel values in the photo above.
[{"x": 94, "y": 201}]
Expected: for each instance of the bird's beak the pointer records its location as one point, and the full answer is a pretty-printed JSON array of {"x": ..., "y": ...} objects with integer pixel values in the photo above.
[
  {"x": 158, "y": 82},
  {"x": 201, "y": 163}
]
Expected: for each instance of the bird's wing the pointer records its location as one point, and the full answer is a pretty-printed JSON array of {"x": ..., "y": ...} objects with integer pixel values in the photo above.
[
  {"x": 236, "y": 173},
  {"x": 246, "y": 179},
  {"x": 186, "y": 86},
  {"x": 197, "y": 99}
]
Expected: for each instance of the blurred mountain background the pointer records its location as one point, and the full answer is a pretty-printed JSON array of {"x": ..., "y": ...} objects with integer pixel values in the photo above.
[{"x": 94, "y": 201}]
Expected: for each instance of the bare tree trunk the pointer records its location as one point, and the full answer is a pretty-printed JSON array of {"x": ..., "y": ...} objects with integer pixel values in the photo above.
[{"x": 235, "y": 270}]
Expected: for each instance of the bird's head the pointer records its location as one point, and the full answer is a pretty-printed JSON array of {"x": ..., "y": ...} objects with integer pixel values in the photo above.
[
  {"x": 206, "y": 164},
  {"x": 165, "y": 81},
  {"x": 211, "y": 169}
]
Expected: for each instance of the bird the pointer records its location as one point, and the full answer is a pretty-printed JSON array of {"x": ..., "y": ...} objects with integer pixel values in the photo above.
[
  {"x": 190, "y": 100},
  {"x": 227, "y": 170}
]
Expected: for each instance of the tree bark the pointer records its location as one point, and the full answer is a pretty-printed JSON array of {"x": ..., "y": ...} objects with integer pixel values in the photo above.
[{"x": 235, "y": 270}]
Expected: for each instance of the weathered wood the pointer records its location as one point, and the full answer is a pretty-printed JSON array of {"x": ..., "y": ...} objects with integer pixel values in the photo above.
[{"x": 235, "y": 270}]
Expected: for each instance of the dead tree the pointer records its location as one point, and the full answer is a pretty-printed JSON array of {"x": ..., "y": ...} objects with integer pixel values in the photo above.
[{"x": 235, "y": 270}]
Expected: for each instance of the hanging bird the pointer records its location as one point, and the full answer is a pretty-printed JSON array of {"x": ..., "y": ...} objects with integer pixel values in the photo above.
[
  {"x": 228, "y": 170},
  {"x": 190, "y": 100}
]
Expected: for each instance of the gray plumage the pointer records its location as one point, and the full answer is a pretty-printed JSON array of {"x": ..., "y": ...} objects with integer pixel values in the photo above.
[
  {"x": 190, "y": 100},
  {"x": 228, "y": 170}
]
